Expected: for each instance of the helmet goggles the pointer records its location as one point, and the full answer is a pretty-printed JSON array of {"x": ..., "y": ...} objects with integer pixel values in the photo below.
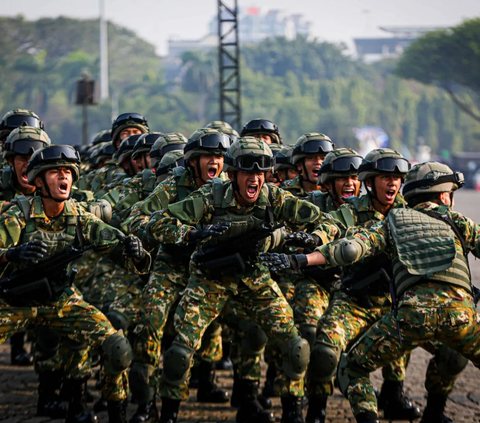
[
  {"x": 24, "y": 147},
  {"x": 388, "y": 165},
  {"x": 455, "y": 178},
  {"x": 133, "y": 117},
  {"x": 209, "y": 141},
  {"x": 343, "y": 164},
  {"x": 14, "y": 121},
  {"x": 252, "y": 162},
  {"x": 60, "y": 152},
  {"x": 320, "y": 147}
]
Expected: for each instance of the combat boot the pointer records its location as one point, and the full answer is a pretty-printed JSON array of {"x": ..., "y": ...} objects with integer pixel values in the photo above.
[
  {"x": 146, "y": 413},
  {"x": 269, "y": 388},
  {"x": 292, "y": 409},
  {"x": 396, "y": 405},
  {"x": 434, "y": 411},
  {"x": 235, "y": 399},
  {"x": 367, "y": 417},
  {"x": 169, "y": 413},
  {"x": 208, "y": 391},
  {"x": 250, "y": 409},
  {"x": 49, "y": 404},
  {"x": 317, "y": 410},
  {"x": 117, "y": 411},
  {"x": 225, "y": 363},
  {"x": 77, "y": 407},
  {"x": 18, "y": 354}
]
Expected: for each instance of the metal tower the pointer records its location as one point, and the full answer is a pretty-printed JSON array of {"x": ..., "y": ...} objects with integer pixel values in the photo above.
[{"x": 229, "y": 63}]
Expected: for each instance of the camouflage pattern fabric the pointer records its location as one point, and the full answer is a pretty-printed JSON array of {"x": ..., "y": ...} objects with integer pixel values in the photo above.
[{"x": 294, "y": 186}]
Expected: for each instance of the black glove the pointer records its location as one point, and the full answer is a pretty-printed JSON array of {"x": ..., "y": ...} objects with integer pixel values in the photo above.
[
  {"x": 278, "y": 261},
  {"x": 303, "y": 240},
  {"x": 28, "y": 253},
  {"x": 216, "y": 229},
  {"x": 134, "y": 248}
]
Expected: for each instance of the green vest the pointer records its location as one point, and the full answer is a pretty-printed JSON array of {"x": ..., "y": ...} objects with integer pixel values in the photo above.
[
  {"x": 322, "y": 200},
  {"x": 425, "y": 251},
  {"x": 149, "y": 182},
  {"x": 183, "y": 191}
]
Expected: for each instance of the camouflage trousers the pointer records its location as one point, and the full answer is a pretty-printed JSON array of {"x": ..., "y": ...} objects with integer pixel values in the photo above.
[
  {"x": 455, "y": 326},
  {"x": 204, "y": 300},
  {"x": 71, "y": 317},
  {"x": 344, "y": 321}
]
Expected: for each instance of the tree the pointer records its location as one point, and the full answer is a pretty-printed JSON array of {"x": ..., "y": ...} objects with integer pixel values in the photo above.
[{"x": 450, "y": 59}]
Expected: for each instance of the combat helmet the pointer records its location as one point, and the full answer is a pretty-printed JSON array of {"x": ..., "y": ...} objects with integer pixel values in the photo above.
[
  {"x": 128, "y": 120},
  {"x": 100, "y": 152},
  {"x": 144, "y": 144},
  {"x": 102, "y": 136},
  {"x": 18, "y": 117},
  {"x": 225, "y": 127},
  {"x": 339, "y": 163},
  {"x": 262, "y": 126},
  {"x": 169, "y": 161},
  {"x": 311, "y": 144},
  {"x": 431, "y": 177},
  {"x": 381, "y": 161},
  {"x": 249, "y": 154},
  {"x": 165, "y": 143},
  {"x": 25, "y": 140},
  {"x": 125, "y": 150},
  {"x": 206, "y": 141},
  {"x": 283, "y": 159},
  {"x": 50, "y": 157}
]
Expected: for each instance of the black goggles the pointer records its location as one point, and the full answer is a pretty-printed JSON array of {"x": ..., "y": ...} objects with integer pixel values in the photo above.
[
  {"x": 320, "y": 147},
  {"x": 254, "y": 163},
  {"x": 60, "y": 152},
  {"x": 169, "y": 147},
  {"x": 456, "y": 178},
  {"x": 260, "y": 125},
  {"x": 15, "y": 121},
  {"x": 25, "y": 147},
  {"x": 388, "y": 165},
  {"x": 162, "y": 170},
  {"x": 343, "y": 164},
  {"x": 135, "y": 117},
  {"x": 285, "y": 160},
  {"x": 211, "y": 141}
]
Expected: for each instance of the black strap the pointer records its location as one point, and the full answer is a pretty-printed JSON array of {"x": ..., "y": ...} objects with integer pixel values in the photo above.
[
  {"x": 269, "y": 216},
  {"x": 425, "y": 183},
  {"x": 79, "y": 238}
]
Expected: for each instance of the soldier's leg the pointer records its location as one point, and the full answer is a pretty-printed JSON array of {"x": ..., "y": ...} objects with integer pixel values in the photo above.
[{"x": 18, "y": 354}]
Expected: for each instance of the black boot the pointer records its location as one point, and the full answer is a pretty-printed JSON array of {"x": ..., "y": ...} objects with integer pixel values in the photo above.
[
  {"x": 225, "y": 363},
  {"x": 77, "y": 407},
  {"x": 49, "y": 404},
  {"x": 146, "y": 413},
  {"x": 317, "y": 410},
  {"x": 396, "y": 405},
  {"x": 269, "y": 388},
  {"x": 250, "y": 409},
  {"x": 18, "y": 354},
  {"x": 434, "y": 411},
  {"x": 117, "y": 411},
  {"x": 169, "y": 411},
  {"x": 265, "y": 402},
  {"x": 292, "y": 409},
  {"x": 367, "y": 417},
  {"x": 194, "y": 377},
  {"x": 100, "y": 405},
  {"x": 208, "y": 391}
]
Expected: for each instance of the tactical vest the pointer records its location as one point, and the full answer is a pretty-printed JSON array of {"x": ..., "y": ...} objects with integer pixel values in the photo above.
[
  {"x": 321, "y": 200},
  {"x": 149, "y": 182},
  {"x": 362, "y": 216},
  {"x": 8, "y": 192},
  {"x": 182, "y": 190},
  {"x": 425, "y": 251}
]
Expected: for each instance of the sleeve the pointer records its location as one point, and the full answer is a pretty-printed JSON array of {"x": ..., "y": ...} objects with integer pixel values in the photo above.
[{"x": 471, "y": 231}]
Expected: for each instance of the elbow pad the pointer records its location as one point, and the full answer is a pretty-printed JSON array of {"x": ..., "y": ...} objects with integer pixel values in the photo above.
[{"x": 346, "y": 252}]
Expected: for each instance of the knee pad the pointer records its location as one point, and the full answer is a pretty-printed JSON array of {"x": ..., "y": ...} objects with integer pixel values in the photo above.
[
  {"x": 449, "y": 362},
  {"x": 47, "y": 342},
  {"x": 295, "y": 356},
  {"x": 118, "y": 320},
  {"x": 254, "y": 340},
  {"x": 176, "y": 363},
  {"x": 323, "y": 361},
  {"x": 308, "y": 332},
  {"x": 117, "y": 353},
  {"x": 139, "y": 378}
]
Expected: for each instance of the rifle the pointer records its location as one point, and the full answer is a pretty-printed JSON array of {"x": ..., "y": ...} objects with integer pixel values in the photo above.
[
  {"x": 37, "y": 283},
  {"x": 237, "y": 253}
]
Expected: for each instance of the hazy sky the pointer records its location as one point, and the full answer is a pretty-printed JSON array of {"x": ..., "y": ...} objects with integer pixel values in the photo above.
[{"x": 338, "y": 20}]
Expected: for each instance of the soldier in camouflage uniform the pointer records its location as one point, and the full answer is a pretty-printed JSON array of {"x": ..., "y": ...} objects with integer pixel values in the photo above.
[
  {"x": 264, "y": 129},
  {"x": 225, "y": 127},
  {"x": 169, "y": 161},
  {"x": 433, "y": 289},
  {"x": 42, "y": 227},
  {"x": 203, "y": 161},
  {"x": 284, "y": 169},
  {"x": 217, "y": 215}
]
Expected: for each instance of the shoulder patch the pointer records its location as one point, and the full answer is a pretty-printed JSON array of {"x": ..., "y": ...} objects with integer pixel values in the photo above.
[
  {"x": 107, "y": 234},
  {"x": 305, "y": 212}
]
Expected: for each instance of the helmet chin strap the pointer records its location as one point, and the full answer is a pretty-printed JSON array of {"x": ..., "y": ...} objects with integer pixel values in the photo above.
[
  {"x": 47, "y": 188},
  {"x": 373, "y": 192},
  {"x": 306, "y": 174}
]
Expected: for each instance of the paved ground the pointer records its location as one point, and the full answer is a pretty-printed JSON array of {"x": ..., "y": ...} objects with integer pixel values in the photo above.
[{"x": 18, "y": 385}]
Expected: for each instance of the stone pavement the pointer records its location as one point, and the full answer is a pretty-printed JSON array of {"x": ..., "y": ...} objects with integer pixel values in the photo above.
[{"x": 18, "y": 385}]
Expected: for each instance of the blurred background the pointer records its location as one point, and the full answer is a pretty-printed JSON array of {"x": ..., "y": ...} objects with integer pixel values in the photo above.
[{"x": 402, "y": 73}]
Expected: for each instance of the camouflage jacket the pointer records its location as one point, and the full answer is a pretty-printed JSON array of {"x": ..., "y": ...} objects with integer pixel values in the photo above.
[
  {"x": 294, "y": 186},
  {"x": 104, "y": 177},
  {"x": 322, "y": 200}
]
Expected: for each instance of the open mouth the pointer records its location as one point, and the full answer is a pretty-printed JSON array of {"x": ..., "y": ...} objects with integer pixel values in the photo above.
[
  {"x": 348, "y": 193},
  {"x": 316, "y": 172},
  {"x": 212, "y": 172},
  {"x": 24, "y": 177},
  {"x": 390, "y": 194},
  {"x": 63, "y": 188},
  {"x": 252, "y": 190}
]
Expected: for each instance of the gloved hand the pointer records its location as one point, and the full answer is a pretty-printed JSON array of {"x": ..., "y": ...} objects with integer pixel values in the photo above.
[
  {"x": 28, "y": 253},
  {"x": 216, "y": 229},
  {"x": 279, "y": 261},
  {"x": 133, "y": 248},
  {"x": 303, "y": 240}
]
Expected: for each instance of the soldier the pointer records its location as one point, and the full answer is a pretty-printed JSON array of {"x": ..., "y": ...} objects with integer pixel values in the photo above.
[
  {"x": 203, "y": 161},
  {"x": 225, "y": 127},
  {"x": 284, "y": 169},
  {"x": 16, "y": 118},
  {"x": 353, "y": 310},
  {"x": 217, "y": 216},
  {"x": 308, "y": 154},
  {"x": 169, "y": 161},
  {"x": 264, "y": 129},
  {"x": 433, "y": 288},
  {"x": 44, "y": 226}
]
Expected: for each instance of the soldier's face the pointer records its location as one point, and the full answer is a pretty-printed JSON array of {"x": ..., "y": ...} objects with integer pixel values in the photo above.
[
  {"x": 312, "y": 166},
  {"x": 211, "y": 165},
  {"x": 249, "y": 185},
  {"x": 59, "y": 180},
  {"x": 264, "y": 137},
  {"x": 387, "y": 187},
  {"x": 19, "y": 165},
  {"x": 142, "y": 161},
  {"x": 129, "y": 131},
  {"x": 271, "y": 179},
  {"x": 344, "y": 187},
  {"x": 292, "y": 174}
]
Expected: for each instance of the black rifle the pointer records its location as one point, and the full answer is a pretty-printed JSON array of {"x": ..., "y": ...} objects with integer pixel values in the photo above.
[
  {"x": 236, "y": 254},
  {"x": 37, "y": 282}
]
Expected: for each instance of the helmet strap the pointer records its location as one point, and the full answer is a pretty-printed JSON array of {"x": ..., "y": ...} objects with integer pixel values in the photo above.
[
  {"x": 304, "y": 171},
  {"x": 47, "y": 188},
  {"x": 373, "y": 192}
]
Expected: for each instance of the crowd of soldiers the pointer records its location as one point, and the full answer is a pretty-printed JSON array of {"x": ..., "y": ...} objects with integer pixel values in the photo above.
[{"x": 161, "y": 258}]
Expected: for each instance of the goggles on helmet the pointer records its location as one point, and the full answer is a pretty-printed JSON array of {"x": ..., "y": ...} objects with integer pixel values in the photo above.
[
  {"x": 15, "y": 121},
  {"x": 135, "y": 117},
  {"x": 252, "y": 162},
  {"x": 60, "y": 152},
  {"x": 162, "y": 169},
  {"x": 456, "y": 178},
  {"x": 260, "y": 125},
  {"x": 25, "y": 147},
  {"x": 388, "y": 165},
  {"x": 210, "y": 141},
  {"x": 169, "y": 147},
  {"x": 320, "y": 147},
  {"x": 343, "y": 164}
]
